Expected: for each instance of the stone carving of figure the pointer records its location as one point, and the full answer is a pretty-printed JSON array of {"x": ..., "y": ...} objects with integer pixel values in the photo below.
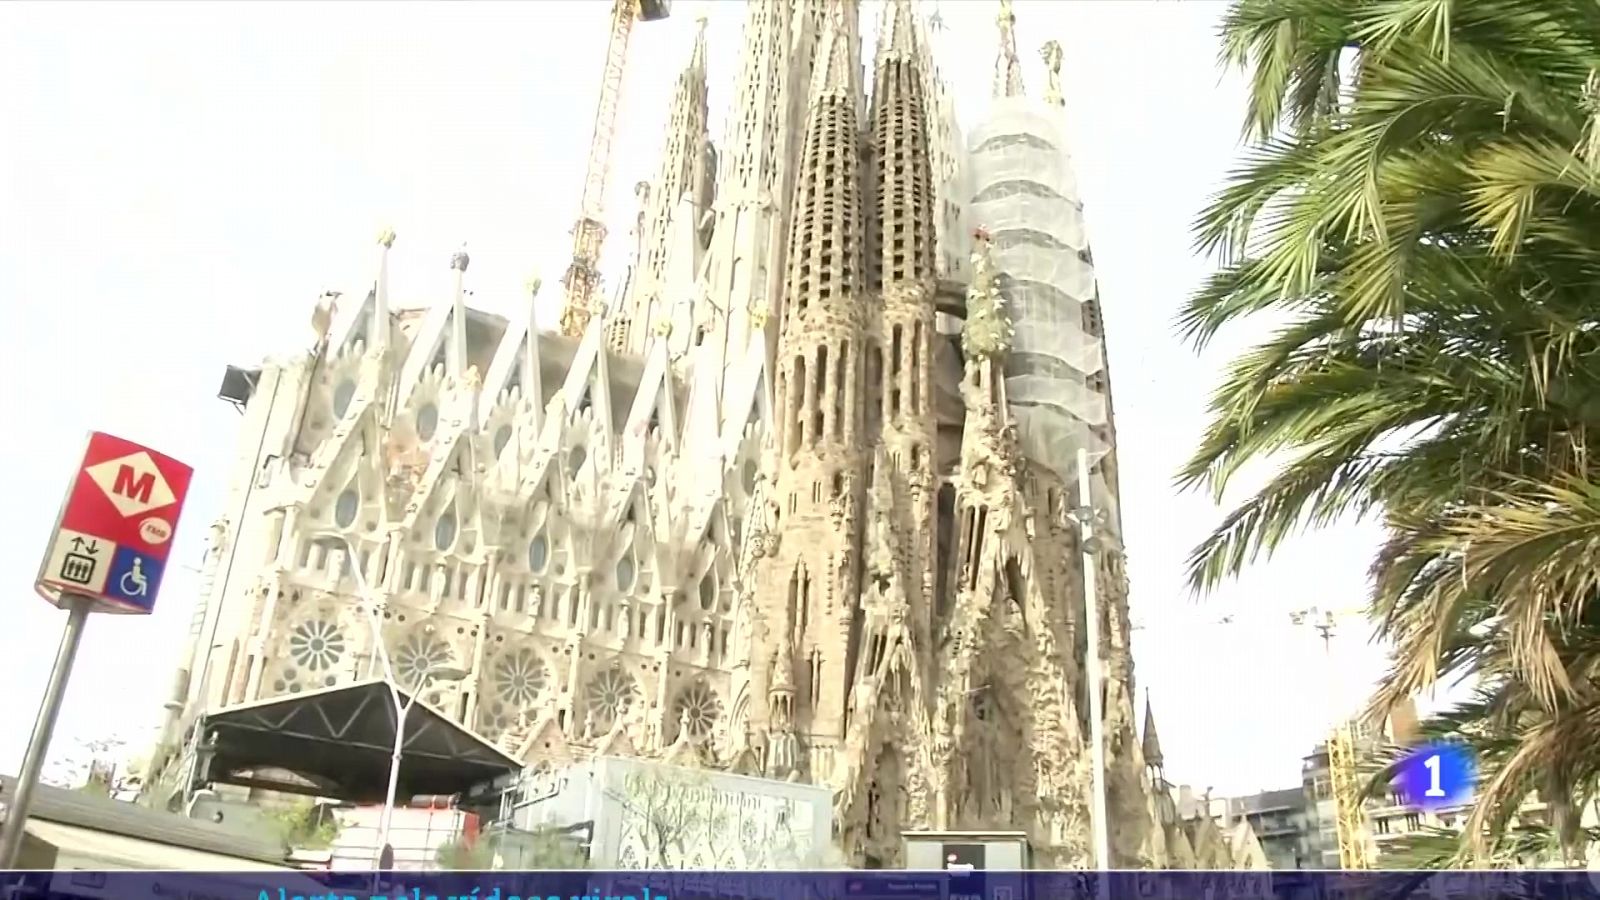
[
  {"x": 685, "y": 732},
  {"x": 783, "y": 756},
  {"x": 862, "y": 697},
  {"x": 894, "y": 597},
  {"x": 591, "y": 725}
]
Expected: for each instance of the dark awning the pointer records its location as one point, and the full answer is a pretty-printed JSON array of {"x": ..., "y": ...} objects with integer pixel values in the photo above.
[{"x": 340, "y": 741}]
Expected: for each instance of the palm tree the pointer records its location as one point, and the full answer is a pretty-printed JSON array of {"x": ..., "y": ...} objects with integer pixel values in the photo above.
[{"x": 1420, "y": 206}]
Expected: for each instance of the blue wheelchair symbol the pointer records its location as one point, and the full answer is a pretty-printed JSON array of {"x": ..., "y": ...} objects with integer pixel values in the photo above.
[
  {"x": 134, "y": 579},
  {"x": 133, "y": 582}
]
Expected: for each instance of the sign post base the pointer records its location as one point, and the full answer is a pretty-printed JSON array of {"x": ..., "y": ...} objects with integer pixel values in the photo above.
[{"x": 43, "y": 727}]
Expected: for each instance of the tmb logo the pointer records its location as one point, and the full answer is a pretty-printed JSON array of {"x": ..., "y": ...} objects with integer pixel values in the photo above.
[{"x": 132, "y": 483}]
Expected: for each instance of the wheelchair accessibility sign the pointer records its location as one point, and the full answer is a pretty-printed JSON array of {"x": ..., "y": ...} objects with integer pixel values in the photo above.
[
  {"x": 134, "y": 578},
  {"x": 111, "y": 542}
]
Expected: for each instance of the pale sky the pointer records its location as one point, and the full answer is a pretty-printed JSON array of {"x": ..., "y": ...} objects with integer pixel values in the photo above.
[{"x": 180, "y": 181}]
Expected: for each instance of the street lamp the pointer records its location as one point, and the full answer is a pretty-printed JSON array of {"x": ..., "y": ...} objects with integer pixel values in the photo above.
[
  {"x": 1089, "y": 545},
  {"x": 402, "y": 704}
]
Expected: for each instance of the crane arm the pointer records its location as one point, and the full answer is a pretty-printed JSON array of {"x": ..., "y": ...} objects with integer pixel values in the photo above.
[
  {"x": 589, "y": 234},
  {"x": 598, "y": 171}
]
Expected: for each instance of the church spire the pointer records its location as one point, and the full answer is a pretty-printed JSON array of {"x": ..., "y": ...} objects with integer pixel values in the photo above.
[
  {"x": 1007, "y": 67},
  {"x": 897, "y": 35},
  {"x": 379, "y": 337},
  {"x": 456, "y": 358},
  {"x": 818, "y": 383},
  {"x": 839, "y": 53},
  {"x": 671, "y": 212},
  {"x": 1151, "y": 742}
]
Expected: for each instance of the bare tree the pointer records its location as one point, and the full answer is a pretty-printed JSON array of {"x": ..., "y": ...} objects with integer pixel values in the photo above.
[
  {"x": 680, "y": 821},
  {"x": 672, "y": 813}
]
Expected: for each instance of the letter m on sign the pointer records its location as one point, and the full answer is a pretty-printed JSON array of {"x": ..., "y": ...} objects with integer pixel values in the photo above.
[{"x": 134, "y": 485}]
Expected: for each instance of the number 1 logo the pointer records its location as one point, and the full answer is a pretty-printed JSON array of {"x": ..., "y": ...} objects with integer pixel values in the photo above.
[
  {"x": 1432, "y": 765},
  {"x": 1436, "y": 775}
]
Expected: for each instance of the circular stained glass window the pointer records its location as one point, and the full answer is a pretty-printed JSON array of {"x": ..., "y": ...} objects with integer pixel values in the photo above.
[
  {"x": 520, "y": 678},
  {"x": 539, "y": 553},
  {"x": 427, "y": 422},
  {"x": 444, "y": 532},
  {"x": 346, "y": 508},
  {"x": 316, "y": 645},
  {"x": 502, "y": 437},
  {"x": 343, "y": 393},
  {"x": 625, "y": 573},
  {"x": 700, "y": 707},
  {"x": 611, "y": 695}
]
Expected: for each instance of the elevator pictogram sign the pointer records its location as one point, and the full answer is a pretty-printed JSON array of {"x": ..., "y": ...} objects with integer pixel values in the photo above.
[{"x": 116, "y": 528}]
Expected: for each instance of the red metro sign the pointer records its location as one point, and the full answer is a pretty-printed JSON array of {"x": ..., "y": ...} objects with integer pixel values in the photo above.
[{"x": 115, "y": 532}]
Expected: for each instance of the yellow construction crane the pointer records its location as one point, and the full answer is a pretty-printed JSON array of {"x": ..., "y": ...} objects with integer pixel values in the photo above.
[
  {"x": 1350, "y": 821},
  {"x": 582, "y": 280}
]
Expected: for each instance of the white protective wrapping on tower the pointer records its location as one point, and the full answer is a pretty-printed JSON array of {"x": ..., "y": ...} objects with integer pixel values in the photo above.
[{"x": 1025, "y": 196}]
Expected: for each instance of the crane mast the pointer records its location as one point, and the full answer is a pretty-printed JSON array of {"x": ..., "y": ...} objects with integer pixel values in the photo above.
[
  {"x": 1350, "y": 822},
  {"x": 1349, "y": 818},
  {"x": 582, "y": 280}
]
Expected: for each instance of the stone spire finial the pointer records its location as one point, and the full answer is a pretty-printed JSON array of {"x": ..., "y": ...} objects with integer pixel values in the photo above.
[
  {"x": 1051, "y": 54},
  {"x": 988, "y": 329},
  {"x": 379, "y": 337},
  {"x": 456, "y": 358},
  {"x": 1151, "y": 742},
  {"x": 697, "y": 59},
  {"x": 838, "y": 63},
  {"x": 896, "y": 30},
  {"x": 1007, "y": 67}
]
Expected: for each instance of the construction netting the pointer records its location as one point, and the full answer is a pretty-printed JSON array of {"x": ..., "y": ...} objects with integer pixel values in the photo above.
[{"x": 1024, "y": 195}]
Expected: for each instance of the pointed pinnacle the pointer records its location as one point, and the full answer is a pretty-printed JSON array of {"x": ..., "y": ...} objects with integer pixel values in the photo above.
[
  {"x": 836, "y": 61},
  {"x": 896, "y": 35}
]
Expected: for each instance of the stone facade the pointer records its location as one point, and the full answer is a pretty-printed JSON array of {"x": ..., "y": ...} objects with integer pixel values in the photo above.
[{"x": 778, "y": 512}]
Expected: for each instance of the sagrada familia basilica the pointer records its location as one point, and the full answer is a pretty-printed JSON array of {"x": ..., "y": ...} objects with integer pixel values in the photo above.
[{"x": 801, "y": 501}]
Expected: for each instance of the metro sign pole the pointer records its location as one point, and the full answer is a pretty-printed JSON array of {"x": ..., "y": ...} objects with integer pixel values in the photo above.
[{"x": 106, "y": 553}]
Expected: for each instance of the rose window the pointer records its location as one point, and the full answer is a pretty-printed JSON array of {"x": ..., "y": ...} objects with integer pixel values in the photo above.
[
  {"x": 317, "y": 645},
  {"x": 699, "y": 706},
  {"x": 418, "y": 655},
  {"x": 610, "y": 695},
  {"x": 520, "y": 678}
]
